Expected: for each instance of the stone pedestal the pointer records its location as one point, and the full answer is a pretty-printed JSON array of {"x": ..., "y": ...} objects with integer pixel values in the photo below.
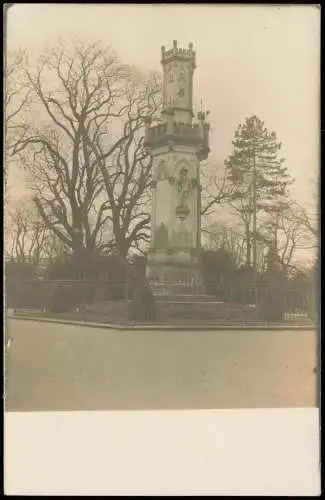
[{"x": 177, "y": 272}]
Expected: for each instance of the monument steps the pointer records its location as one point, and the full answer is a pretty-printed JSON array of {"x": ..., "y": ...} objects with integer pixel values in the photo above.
[
  {"x": 184, "y": 298},
  {"x": 202, "y": 310}
]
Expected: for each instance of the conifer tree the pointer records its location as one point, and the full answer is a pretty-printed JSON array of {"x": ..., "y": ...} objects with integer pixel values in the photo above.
[{"x": 259, "y": 176}]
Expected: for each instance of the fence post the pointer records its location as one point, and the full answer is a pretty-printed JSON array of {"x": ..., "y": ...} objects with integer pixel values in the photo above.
[
  {"x": 257, "y": 299},
  {"x": 126, "y": 289},
  {"x": 82, "y": 306}
]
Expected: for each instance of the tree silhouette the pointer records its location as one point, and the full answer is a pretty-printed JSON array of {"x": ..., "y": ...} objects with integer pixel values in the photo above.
[
  {"x": 84, "y": 147},
  {"x": 258, "y": 175}
]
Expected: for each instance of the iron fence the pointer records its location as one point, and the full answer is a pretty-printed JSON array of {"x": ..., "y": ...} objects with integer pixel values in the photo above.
[
  {"x": 282, "y": 303},
  {"x": 62, "y": 295},
  {"x": 184, "y": 289}
]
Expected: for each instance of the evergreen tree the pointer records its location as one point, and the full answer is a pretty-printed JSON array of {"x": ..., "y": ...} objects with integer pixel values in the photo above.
[{"x": 259, "y": 177}]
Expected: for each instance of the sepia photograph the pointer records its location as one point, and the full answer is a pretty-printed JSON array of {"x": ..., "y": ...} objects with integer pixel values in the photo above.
[{"x": 161, "y": 201}]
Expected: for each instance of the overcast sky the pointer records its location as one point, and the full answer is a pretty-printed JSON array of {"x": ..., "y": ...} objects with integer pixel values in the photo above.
[{"x": 261, "y": 60}]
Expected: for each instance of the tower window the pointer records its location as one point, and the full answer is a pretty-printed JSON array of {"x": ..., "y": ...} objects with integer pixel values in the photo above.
[
  {"x": 181, "y": 93},
  {"x": 171, "y": 76}
]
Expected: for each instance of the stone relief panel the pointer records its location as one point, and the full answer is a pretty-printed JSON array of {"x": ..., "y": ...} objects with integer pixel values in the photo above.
[
  {"x": 164, "y": 167},
  {"x": 161, "y": 236},
  {"x": 170, "y": 165},
  {"x": 175, "y": 176},
  {"x": 183, "y": 188},
  {"x": 186, "y": 161},
  {"x": 182, "y": 237},
  {"x": 162, "y": 171}
]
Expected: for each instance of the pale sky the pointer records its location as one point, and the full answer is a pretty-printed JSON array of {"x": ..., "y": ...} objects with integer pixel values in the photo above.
[{"x": 261, "y": 60}]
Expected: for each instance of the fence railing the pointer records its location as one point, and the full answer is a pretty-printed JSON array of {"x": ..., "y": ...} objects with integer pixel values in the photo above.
[
  {"x": 62, "y": 295},
  {"x": 269, "y": 302},
  {"x": 162, "y": 289}
]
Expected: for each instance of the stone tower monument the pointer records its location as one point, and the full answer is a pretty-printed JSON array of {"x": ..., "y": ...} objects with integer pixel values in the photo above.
[{"x": 177, "y": 146}]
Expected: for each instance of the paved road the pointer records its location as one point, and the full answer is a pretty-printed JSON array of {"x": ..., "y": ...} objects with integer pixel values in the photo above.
[{"x": 59, "y": 367}]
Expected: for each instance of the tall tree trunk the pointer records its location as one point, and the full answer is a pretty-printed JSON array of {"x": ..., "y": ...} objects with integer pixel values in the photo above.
[{"x": 248, "y": 247}]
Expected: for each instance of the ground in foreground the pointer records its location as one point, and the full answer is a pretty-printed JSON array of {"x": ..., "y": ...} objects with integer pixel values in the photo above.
[{"x": 60, "y": 367}]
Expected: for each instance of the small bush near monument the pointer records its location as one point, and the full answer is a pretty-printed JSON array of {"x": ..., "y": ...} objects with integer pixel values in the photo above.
[
  {"x": 219, "y": 268},
  {"x": 142, "y": 301}
]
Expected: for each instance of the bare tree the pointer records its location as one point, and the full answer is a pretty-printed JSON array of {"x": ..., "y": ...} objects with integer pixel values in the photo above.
[
  {"x": 295, "y": 232},
  {"x": 16, "y": 98},
  {"x": 232, "y": 238},
  {"x": 84, "y": 150},
  {"x": 242, "y": 209},
  {"x": 53, "y": 247},
  {"x": 227, "y": 236},
  {"x": 216, "y": 188},
  {"x": 16, "y": 102},
  {"x": 235, "y": 235},
  {"x": 309, "y": 221},
  {"x": 126, "y": 172},
  {"x": 26, "y": 234}
]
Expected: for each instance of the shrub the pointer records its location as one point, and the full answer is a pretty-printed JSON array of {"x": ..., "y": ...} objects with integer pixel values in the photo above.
[
  {"x": 271, "y": 303},
  {"x": 142, "y": 302},
  {"x": 219, "y": 270},
  {"x": 272, "y": 296},
  {"x": 90, "y": 266},
  {"x": 139, "y": 264},
  {"x": 15, "y": 274}
]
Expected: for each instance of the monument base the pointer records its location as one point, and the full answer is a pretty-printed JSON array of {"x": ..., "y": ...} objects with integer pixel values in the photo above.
[
  {"x": 201, "y": 310},
  {"x": 175, "y": 273}
]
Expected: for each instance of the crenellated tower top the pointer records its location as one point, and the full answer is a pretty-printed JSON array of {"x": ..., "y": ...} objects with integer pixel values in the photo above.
[{"x": 177, "y": 53}]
